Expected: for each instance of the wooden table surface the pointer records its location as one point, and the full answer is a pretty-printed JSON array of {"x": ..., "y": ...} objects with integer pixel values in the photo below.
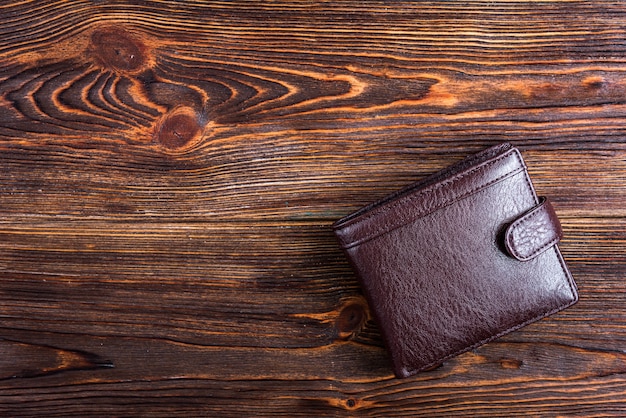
[{"x": 169, "y": 172}]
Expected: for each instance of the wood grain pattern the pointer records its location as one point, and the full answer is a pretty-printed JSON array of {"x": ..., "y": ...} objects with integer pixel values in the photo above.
[{"x": 169, "y": 172}]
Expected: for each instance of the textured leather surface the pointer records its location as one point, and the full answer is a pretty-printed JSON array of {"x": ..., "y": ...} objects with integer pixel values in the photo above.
[
  {"x": 534, "y": 232},
  {"x": 434, "y": 266}
]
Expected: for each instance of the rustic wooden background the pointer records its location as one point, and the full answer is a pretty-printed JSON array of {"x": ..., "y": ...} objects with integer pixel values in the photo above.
[{"x": 169, "y": 172}]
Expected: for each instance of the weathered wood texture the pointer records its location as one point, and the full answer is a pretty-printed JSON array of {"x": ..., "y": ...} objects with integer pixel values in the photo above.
[{"x": 169, "y": 172}]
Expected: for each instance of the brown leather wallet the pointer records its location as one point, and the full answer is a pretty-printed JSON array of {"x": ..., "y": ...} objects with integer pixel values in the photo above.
[{"x": 458, "y": 259}]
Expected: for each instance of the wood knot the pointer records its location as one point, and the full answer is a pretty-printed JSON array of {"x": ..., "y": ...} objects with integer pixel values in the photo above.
[
  {"x": 178, "y": 128},
  {"x": 351, "y": 319},
  {"x": 117, "y": 49},
  {"x": 509, "y": 363},
  {"x": 594, "y": 82}
]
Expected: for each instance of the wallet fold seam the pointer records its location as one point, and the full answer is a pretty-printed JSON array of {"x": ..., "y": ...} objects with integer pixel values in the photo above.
[
  {"x": 421, "y": 212},
  {"x": 444, "y": 204},
  {"x": 388, "y": 205}
]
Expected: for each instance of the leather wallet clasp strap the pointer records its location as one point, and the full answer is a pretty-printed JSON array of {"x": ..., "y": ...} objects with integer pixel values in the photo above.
[{"x": 534, "y": 232}]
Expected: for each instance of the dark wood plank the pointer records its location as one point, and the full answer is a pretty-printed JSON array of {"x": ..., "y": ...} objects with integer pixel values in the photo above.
[{"x": 169, "y": 172}]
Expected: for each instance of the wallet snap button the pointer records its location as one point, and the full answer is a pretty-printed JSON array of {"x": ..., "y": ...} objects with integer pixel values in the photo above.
[{"x": 534, "y": 232}]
